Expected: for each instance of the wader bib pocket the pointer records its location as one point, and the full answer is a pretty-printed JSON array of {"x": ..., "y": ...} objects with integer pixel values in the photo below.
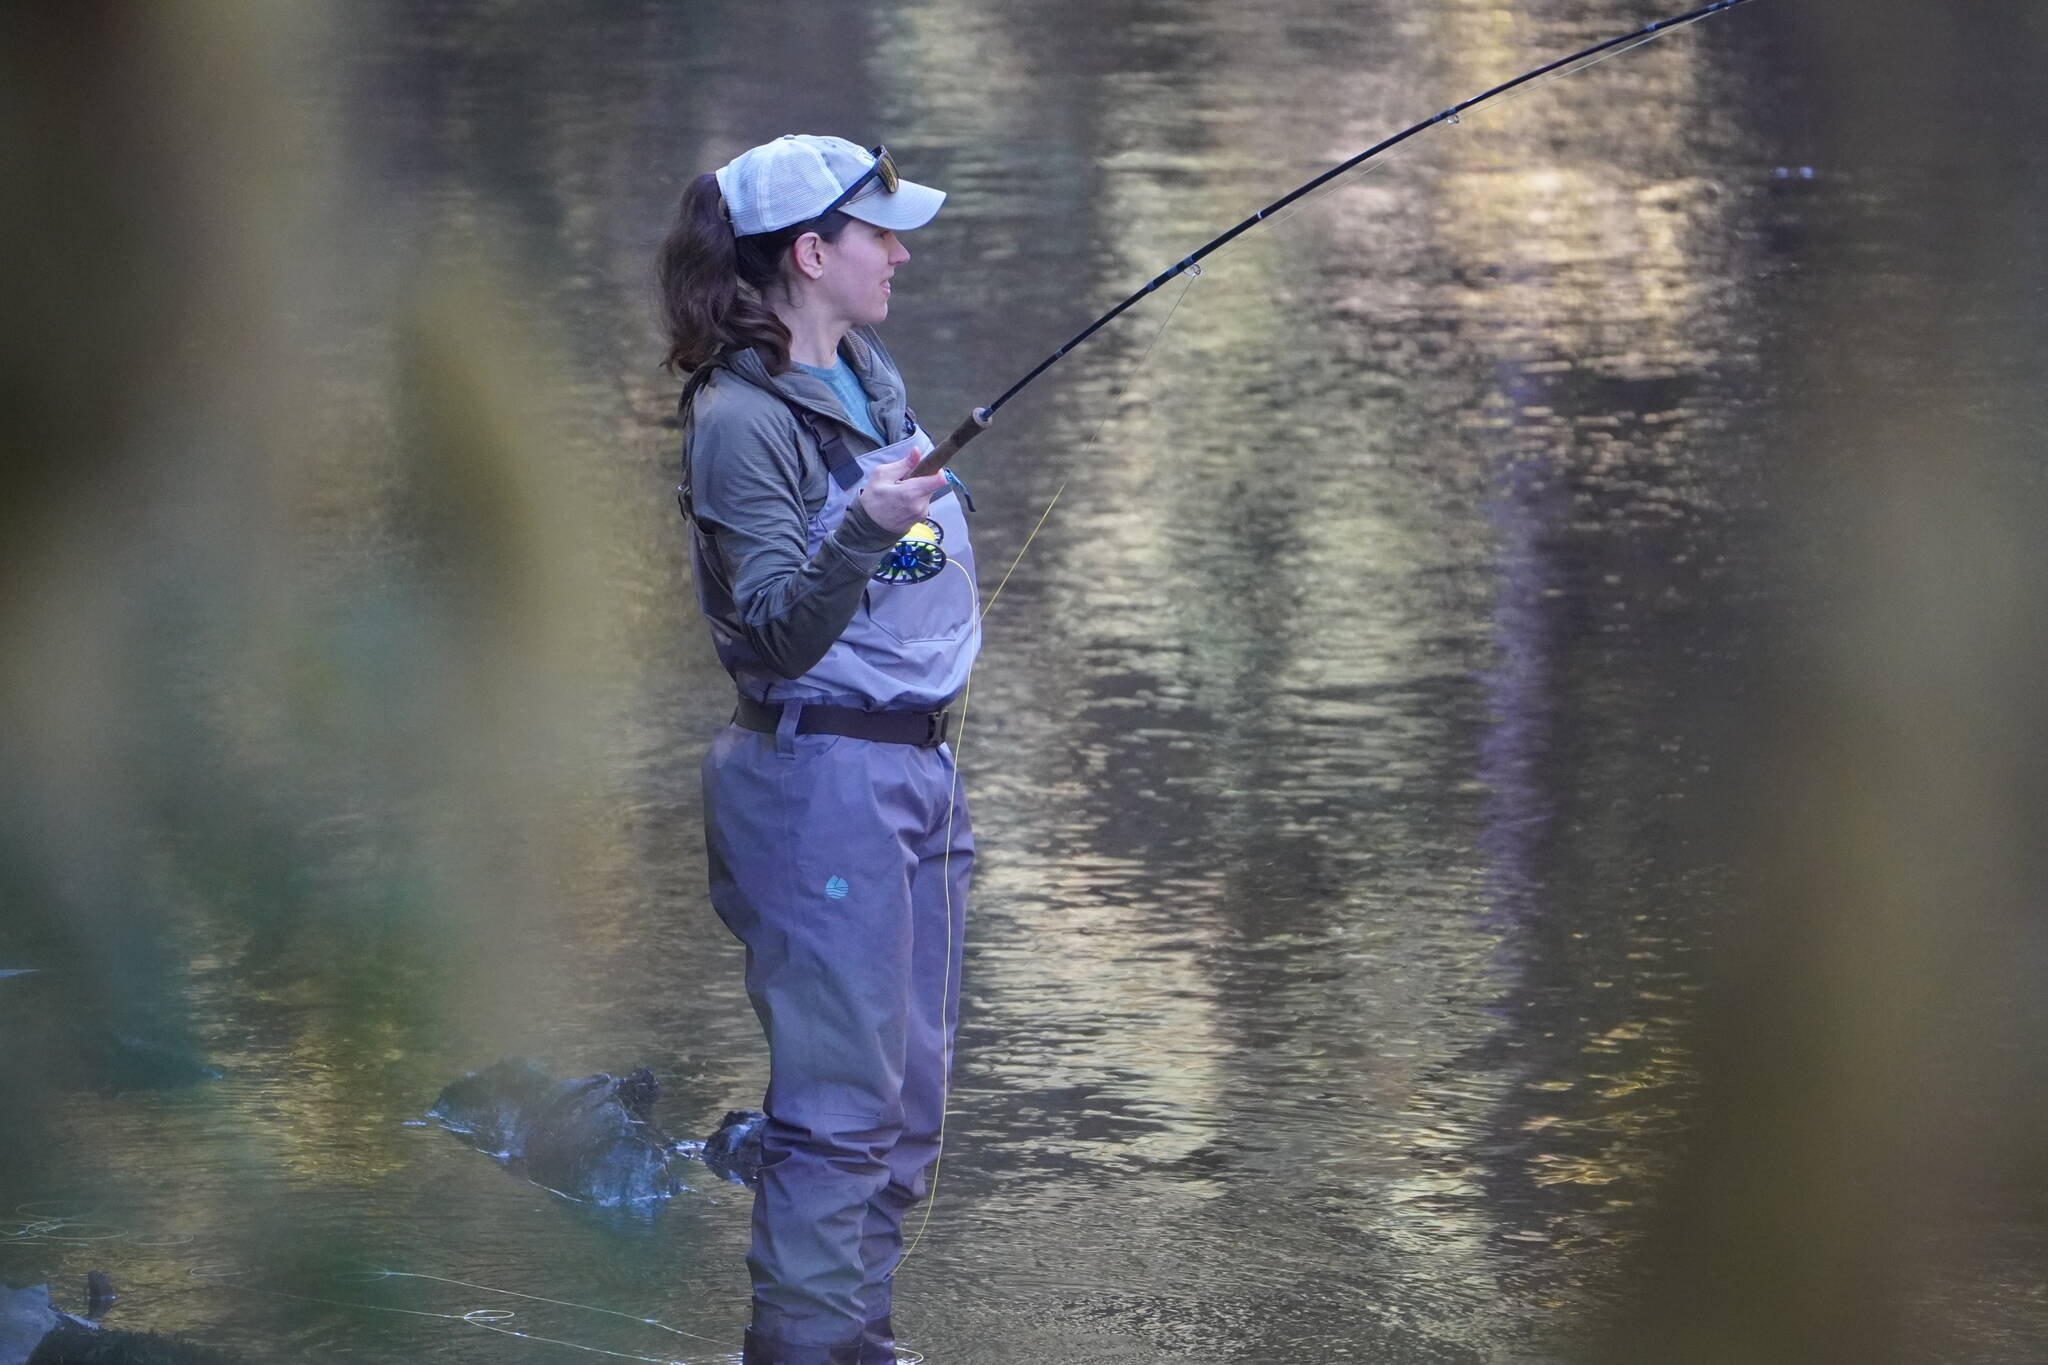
[
  {"x": 910, "y": 645},
  {"x": 936, "y": 609},
  {"x": 940, "y": 611}
]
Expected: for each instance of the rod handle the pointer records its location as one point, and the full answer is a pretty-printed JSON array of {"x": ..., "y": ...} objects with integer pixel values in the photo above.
[{"x": 976, "y": 423}]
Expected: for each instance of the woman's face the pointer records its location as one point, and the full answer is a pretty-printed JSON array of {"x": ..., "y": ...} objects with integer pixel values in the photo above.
[{"x": 855, "y": 282}]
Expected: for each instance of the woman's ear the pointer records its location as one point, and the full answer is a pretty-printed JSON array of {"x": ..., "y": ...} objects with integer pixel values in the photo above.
[{"x": 808, "y": 252}]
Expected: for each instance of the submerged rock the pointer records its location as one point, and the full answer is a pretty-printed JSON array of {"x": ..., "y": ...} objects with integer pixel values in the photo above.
[
  {"x": 76, "y": 1343},
  {"x": 495, "y": 1106},
  {"x": 32, "y": 1332},
  {"x": 599, "y": 1142},
  {"x": 26, "y": 1317},
  {"x": 593, "y": 1138}
]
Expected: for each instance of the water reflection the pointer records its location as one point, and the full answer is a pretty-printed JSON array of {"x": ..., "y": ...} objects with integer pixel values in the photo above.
[{"x": 1340, "y": 916}]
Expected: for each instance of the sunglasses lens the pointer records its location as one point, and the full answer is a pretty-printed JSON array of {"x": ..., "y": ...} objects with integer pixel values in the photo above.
[{"x": 886, "y": 167}]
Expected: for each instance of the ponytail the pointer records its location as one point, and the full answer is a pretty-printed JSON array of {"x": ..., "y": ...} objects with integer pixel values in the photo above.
[{"x": 714, "y": 286}]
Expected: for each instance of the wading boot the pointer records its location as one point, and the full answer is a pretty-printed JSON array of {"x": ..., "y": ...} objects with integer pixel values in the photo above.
[
  {"x": 769, "y": 1351},
  {"x": 878, "y": 1343}
]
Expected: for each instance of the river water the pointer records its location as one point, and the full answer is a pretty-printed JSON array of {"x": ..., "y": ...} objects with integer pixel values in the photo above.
[{"x": 1339, "y": 754}]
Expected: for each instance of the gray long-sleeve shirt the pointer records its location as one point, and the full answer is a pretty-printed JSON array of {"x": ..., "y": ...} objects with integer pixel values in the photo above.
[{"x": 756, "y": 479}]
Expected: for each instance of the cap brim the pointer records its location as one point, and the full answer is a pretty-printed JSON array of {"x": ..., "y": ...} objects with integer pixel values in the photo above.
[{"x": 910, "y": 206}]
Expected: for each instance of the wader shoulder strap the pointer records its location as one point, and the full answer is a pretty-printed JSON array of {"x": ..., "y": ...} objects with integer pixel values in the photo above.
[
  {"x": 840, "y": 460},
  {"x": 699, "y": 377}
]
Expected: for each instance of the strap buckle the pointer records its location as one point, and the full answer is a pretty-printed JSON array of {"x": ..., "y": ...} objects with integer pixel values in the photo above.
[{"x": 938, "y": 725}]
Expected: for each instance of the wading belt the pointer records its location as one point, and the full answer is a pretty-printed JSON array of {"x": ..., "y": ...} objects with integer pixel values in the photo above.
[{"x": 925, "y": 729}]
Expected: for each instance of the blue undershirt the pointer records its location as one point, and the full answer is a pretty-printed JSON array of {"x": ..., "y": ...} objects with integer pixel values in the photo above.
[{"x": 846, "y": 387}]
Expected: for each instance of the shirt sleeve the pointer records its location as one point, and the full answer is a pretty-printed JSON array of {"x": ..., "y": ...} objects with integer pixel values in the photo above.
[{"x": 747, "y": 488}]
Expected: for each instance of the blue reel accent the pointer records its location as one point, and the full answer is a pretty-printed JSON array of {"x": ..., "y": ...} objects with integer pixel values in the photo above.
[{"x": 915, "y": 558}]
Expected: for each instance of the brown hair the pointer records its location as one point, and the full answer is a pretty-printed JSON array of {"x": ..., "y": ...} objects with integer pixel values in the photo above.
[{"x": 714, "y": 285}]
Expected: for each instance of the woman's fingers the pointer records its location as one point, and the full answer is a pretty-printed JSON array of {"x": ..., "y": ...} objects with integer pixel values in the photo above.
[
  {"x": 898, "y": 471},
  {"x": 894, "y": 499}
]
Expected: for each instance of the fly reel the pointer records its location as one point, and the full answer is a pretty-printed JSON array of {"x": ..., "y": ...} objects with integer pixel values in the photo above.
[{"x": 916, "y": 557}]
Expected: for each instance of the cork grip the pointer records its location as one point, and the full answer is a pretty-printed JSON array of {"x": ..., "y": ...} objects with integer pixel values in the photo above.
[{"x": 948, "y": 448}]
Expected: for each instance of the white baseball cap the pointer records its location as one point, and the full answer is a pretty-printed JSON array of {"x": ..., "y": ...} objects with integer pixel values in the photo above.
[{"x": 800, "y": 175}]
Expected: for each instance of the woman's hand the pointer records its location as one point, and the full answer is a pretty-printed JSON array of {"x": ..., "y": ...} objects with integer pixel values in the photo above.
[{"x": 896, "y": 501}]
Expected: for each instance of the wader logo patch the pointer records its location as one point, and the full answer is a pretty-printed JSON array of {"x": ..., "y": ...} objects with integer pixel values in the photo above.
[{"x": 836, "y": 888}]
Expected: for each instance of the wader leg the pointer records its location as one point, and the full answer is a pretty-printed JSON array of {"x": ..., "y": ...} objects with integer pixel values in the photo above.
[
  {"x": 938, "y": 897},
  {"x": 813, "y": 852}
]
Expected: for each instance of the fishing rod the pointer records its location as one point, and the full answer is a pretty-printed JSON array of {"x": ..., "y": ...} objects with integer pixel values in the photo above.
[{"x": 978, "y": 421}]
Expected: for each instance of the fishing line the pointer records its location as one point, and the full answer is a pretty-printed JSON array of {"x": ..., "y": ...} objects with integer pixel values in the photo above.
[
  {"x": 488, "y": 1319},
  {"x": 51, "y": 1232},
  {"x": 383, "y": 1274},
  {"x": 960, "y": 745},
  {"x": 31, "y": 1226},
  {"x": 1280, "y": 211},
  {"x": 1192, "y": 275}
]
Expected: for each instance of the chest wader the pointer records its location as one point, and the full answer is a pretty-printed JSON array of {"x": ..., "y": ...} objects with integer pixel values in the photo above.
[{"x": 842, "y": 862}]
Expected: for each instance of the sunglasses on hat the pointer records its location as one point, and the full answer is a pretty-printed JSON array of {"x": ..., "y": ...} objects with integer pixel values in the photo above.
[{"x": 884, "y": 168}]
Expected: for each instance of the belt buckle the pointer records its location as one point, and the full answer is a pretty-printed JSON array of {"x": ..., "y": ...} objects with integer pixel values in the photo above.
[{"x": 938, "y": 724}]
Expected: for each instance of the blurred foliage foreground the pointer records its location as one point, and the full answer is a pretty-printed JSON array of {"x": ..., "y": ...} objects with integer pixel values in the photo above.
[{"x": 299, "y": 598}]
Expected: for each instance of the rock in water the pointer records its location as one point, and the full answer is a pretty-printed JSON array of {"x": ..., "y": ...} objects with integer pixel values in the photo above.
[
  {"x": 99, "y": 1293},
  {"x": 592, "y": 1139},
  {"x": 72, "y": 1344},
  {"x": 496, "y": 1106},
  {"x": 25, "y": 1319},
  {"x": 34, "y": 1333},
  {"x": 598, "y": 1142}
]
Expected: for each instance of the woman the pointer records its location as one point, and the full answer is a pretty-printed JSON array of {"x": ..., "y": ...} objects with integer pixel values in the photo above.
[{"x": 841, "y": 596}]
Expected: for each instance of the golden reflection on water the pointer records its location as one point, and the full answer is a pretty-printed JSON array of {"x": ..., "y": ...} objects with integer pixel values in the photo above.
[
  {"x": 1332, "y": 954},
  {"x": 1241, "y": 567}
]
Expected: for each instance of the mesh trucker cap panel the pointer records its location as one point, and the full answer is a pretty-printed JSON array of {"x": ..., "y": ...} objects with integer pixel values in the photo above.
[
  {"x": 794, "y": 177},
  {"x": 788, "y": 180}
]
